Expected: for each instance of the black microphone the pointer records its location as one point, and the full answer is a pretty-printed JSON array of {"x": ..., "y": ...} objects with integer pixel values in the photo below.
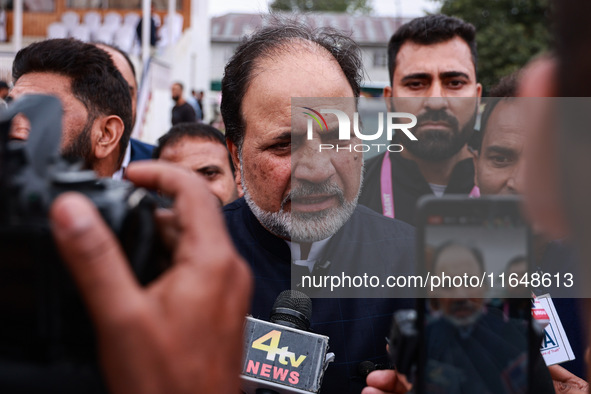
[
  {"x": 364, "y": 368},
  {"x": 404, "y": 341},
  {"x": 292, "y": 309},
  {"x": 282, "y": 356}
]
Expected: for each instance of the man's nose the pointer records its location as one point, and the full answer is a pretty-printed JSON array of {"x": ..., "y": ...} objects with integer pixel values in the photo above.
[
  {"x": 516, "y": 179},
  {"x": 460, "y": 294},
  {"x": 311, "y": 165},
  {"x": 436, "y": 99}
]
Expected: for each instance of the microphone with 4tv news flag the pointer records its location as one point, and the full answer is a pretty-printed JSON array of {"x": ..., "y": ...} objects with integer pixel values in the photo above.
[{"x": 283, "y": 356}]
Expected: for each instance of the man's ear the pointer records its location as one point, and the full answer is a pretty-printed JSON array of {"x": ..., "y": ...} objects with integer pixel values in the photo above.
[
  {"x": 238, "y": 181},
  {"x": 478, "y": 90},
  {"x": 107, "y": 131},
  {"x": 234, "y": 154},
  {"x": 479, "y": 94},
  {"x": 388, "y": 98}
]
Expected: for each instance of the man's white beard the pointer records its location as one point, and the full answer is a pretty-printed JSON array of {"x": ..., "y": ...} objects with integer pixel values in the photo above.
[
  {"x": 465, "y": 321},
  {"x": 304, "y": 226}
]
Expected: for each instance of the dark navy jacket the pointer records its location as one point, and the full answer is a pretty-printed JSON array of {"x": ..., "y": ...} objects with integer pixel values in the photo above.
[
  {"x": 357, "y": 328},
  {"x": 140, "y": 150}
]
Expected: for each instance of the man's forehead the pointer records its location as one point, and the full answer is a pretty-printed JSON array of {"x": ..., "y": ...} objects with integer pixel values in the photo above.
[
  {"x": 455, "y": 256},
  {"x": 194, "y": 146},
  {"x": 197, "y": 153},
  {"x": 42, "y": 82},
  {"x": 506, "y": 121},
  {"x": 312, "y": 75},
  {"x": 303, "y": 72},
  {"x": 323, "y": 112},
  {"x": 446, "y": 56}
]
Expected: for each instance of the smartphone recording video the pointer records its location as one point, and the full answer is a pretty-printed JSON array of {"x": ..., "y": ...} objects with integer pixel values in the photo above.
[{"x": 474, "y": 321}]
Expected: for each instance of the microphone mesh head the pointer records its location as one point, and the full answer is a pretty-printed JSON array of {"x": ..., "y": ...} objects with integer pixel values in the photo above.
[
  {"x": 296, "y": 301},
  {"x": 365, "y": 367}
]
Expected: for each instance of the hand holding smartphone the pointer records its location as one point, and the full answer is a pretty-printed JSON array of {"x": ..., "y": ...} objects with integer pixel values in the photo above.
[{"x": 474, "y": 319}]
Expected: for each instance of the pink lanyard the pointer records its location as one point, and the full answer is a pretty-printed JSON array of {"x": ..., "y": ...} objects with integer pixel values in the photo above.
[
  {"x": 386, "y": 187},
  {"x": 387, "y": 191}
]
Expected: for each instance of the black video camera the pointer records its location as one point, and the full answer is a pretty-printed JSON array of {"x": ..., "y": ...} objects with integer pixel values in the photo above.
[{"x": 43, "y": 321}]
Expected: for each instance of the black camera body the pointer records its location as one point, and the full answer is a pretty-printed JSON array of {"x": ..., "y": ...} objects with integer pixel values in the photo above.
[{"x": 44, "y": 322}]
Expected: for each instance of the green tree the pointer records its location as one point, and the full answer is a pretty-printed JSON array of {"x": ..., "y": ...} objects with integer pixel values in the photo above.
[
  {"x": 351, "y": 6},
  {"x": 508, "y": 33}
]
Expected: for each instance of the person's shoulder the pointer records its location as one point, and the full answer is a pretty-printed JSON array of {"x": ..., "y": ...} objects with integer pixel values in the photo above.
[
  {"x": 140, "y": 150},
  {"x": 236, "y": 217},
  {"x": 234, "y": 207},
  {"x": 137, "y": 144},
  {"x": 241, "y": 224}
]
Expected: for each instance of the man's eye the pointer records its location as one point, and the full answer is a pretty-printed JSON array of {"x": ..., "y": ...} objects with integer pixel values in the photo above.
[
  {"x": 209, "y": 174},
  {"x": 331, "y": 138},
  {"x": 456, "y": 84},
  {"x": 500, "y": 160},
  {"x": 281, "y": 146},
  {"x": 415, "y": 85}
]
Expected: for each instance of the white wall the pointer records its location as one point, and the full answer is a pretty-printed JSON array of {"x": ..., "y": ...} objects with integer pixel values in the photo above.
[
  {"x": 375, "y": 75},
  {"x": 220, "y": 54}
]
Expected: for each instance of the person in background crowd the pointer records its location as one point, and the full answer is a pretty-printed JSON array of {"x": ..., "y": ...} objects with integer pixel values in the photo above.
[
  {"x": 432, "y": 67},
  {"x": 199, "y": 98},
  {"x": 95, "y": 97},
  {"x": 4, "y": 90},
  {"x": 4, "y": 99},
  {"x": 153, "y": 28},
  {"x": 182, "y": 112},
  {"x": 499, "y": 170},
  {"x": 136, "y": 149},
  {"x": 196, "y": 107},
  {"x": 202, "y": 149}
]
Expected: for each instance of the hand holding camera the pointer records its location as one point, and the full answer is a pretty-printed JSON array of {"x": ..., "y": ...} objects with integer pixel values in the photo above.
[{"x": 185, "y": 327}]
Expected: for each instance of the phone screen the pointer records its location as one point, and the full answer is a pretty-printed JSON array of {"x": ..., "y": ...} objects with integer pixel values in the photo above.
[{"x": 475, "y": 317}]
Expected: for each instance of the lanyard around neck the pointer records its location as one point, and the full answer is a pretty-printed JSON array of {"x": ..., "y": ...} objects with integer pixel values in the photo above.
[{"x": 387, "y": 190}]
